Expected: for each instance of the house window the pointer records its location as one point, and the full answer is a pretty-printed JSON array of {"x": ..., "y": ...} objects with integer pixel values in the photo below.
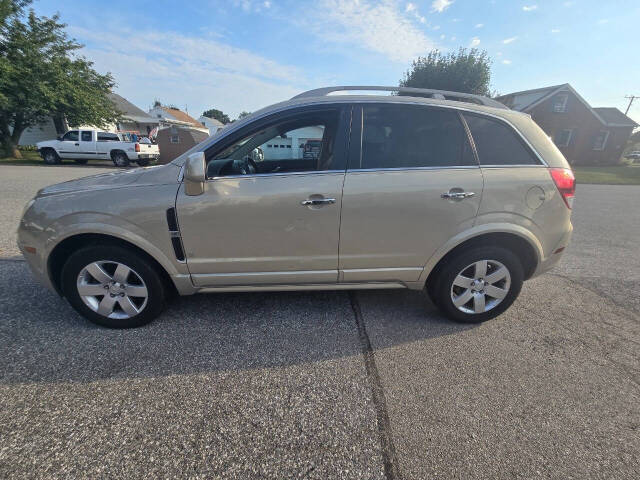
[
  {"x": 600, "y": 140},
  {"x": 560, "y": 103},
  {"x": 563, "y": 138},
  {"x": 175, "y": 139}
]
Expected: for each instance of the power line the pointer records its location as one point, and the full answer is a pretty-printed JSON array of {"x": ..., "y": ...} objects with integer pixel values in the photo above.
[{"x": 631, "y": 99}]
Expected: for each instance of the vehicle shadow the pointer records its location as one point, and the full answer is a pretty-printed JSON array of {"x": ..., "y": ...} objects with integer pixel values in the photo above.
[{"x": 43, "y": 340}]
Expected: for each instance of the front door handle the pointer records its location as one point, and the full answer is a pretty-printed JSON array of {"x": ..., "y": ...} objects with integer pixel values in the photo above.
[
  {"x": 457, "y": 195},
  {"x": 318, "y": 201},
  {"x": 77, "y": 144}
]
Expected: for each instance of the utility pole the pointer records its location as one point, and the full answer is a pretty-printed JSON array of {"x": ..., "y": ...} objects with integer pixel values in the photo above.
[{"x": 631, "y": 99}]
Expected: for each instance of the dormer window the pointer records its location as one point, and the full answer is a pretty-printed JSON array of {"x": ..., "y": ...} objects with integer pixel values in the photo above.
[{"x": 560, "y": 103}]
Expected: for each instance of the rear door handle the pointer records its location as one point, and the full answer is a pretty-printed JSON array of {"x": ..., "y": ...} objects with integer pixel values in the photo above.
[
  {"x": 457, "y": 195},
  {"x": 318, "y": 201}
]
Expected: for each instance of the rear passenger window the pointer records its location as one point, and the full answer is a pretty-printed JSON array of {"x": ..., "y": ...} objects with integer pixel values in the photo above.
[
  {"x": 86, "y": 136},
  {"x": 407, "y": 136},
  {"x": 497, "y": 143}
]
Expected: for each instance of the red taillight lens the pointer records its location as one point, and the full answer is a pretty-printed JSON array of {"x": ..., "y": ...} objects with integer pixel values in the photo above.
[
  {"x": 137, "y": 147},
  {"x": 566, "y": 183}
]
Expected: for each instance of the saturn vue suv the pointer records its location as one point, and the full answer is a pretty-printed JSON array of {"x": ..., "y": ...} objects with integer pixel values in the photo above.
[{"x": 443, "y": 192}]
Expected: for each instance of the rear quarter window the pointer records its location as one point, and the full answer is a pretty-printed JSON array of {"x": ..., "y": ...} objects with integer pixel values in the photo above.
[{"x": 497, "y": 143}]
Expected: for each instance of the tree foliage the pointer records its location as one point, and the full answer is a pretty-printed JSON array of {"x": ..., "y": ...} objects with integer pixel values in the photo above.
[
  {"x": 42, "y": 77},
  {"x": 467, "y": 71},
  {"x": 243, "y": 114},
  {"x": 218, "y": 115}
]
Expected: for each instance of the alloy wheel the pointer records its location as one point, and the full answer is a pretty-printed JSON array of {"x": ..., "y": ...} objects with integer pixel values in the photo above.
[
  {"x": 480, "y": 287},
  {"x": 112, "y": 289}
]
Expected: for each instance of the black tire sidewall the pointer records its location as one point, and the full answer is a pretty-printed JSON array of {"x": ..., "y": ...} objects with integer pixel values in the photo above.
[
  {"x": 125, "y": 160},
  {"x": 56, "y": 158},
  {"x": 81, "y": 258},
  {"x": 442, "y": 287},
  {"x": 143, "y": 162}
]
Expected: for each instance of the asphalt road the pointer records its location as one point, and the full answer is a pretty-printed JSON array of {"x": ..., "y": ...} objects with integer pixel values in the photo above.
[{"x": 331, "y": 384}]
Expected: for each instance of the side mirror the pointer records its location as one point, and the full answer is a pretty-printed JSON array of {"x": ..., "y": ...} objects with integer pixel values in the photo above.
[
  {"x": 194, "y": 174},
  {"x": 59, "y": 138}
]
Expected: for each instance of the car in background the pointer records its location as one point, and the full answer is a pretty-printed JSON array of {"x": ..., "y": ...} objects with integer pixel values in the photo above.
[
  {"x": 635, "y": 155},
  {"x": 89, "y": 144}
]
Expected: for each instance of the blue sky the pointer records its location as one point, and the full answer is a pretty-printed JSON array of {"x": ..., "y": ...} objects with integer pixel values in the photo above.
[{"x": 244, "y": 54}]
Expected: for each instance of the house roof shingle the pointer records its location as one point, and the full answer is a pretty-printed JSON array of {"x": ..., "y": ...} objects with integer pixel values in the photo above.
[
  {"x": 614, "y": 117},
  {"x": 129, "y": 109},
  {"x": 181, "y": 116}
]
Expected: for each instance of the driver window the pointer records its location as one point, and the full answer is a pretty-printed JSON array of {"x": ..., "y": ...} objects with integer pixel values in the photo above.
[
  {"x": 71, "y": 136},
  {"x": 299, "y": 144}
]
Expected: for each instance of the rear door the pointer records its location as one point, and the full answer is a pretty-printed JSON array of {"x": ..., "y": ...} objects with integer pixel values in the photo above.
[{"x": 412, "y": 183}]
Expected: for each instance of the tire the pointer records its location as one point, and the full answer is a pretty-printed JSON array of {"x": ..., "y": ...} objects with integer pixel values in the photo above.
[
  {"x": 120, "y": 159},
  {"x": 50, "y": 157},
  {"x": 462, "y": 269},
  {"x": 143, "y": 162},
  {"x": 81, "y": 161},
  {"x": 88, "y": 270}
]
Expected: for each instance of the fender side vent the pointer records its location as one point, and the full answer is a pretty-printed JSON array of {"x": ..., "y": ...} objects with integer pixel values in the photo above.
[{"x": 176, "y": 242}]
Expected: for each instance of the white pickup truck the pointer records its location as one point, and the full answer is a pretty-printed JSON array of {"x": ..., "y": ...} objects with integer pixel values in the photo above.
[{"x": 86, "y": 144}]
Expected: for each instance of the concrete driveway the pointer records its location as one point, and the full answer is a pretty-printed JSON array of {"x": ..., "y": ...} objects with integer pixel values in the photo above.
[{"x": 331, "y": 384}]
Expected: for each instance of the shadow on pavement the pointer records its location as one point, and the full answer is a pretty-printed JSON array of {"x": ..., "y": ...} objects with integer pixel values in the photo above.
[{"x": 43, "y": 340}]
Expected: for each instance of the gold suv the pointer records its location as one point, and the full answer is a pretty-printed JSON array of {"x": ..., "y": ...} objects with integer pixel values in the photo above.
[{"x": 445, "y": 192}]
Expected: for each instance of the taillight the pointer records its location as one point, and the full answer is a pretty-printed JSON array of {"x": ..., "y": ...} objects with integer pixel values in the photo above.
[
  {"x": 566, "y": 183},
  {"x": 137, "y": 147}
]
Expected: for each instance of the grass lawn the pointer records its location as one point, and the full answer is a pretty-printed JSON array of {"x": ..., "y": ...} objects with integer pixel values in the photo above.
[
  {"x": 618, "y": 175},
  {"x": 28, "y": 158}
]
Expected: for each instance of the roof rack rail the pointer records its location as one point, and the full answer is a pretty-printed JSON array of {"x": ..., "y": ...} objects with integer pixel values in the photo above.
[{"x": 418, "y": 92}]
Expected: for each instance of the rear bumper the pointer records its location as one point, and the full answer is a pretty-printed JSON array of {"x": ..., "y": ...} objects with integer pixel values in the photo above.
[{"x": 556, "y": 254}]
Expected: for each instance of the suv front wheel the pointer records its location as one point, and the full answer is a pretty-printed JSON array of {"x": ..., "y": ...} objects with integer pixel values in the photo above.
[
  {"x": 112, "y": 286},
  {"x": 478, "y": 284}
]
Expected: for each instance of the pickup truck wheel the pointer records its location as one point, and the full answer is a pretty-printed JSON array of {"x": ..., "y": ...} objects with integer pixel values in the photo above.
[
  {"x": 50, "y": 157},
  {"x": 143, "y": 162},
  {"x": 81, "y": 161},
  {"x": 112, "y": 286},
  {"x": 120, "y": 159}
]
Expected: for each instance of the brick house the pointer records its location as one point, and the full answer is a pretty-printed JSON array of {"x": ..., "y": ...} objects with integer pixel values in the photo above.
[{"x": 585, "y": 135}]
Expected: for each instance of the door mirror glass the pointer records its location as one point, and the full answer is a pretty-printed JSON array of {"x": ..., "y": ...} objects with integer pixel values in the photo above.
[{"x": 194, "y": 177}]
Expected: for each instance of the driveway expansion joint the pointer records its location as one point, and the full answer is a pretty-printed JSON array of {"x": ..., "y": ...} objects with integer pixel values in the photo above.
[{"x": 389, "y": 455}]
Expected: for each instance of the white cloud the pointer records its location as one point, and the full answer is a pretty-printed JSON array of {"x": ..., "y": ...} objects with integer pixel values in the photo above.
[
  {"x": 442, "y": 37},
  {"x": 252, "y": 6},
  {"x": 453, "y": 39},
  {"x": 509, "y": 40},
  {"x": 267, "y": 4},
  {"x": 506, "y": 62},
  {"x": 440, "y": 5},
  {"x": 382, "y": 27},
  {"x": 456, "y": 20},
  {"x": 569, "y": 4},
  {"x": 602, "y": 21},
  {"x": 555, "y": 30},
  {"x": 479, "y": 25},
  {"x": 475, "y": 41},
  {"x": 530, "y": 8},
  {"x": 197, "y": 71},
  {"x": 410, "y": 7}
]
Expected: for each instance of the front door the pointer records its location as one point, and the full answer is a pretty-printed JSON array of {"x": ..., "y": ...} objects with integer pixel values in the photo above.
[
  {"x": 70, "y": 145},
  {"x": 270, "y": 214},
  {"x": 413, "y": 185}
]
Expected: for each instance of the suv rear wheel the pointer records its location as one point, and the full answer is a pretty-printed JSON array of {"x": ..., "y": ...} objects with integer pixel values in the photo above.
[
  {"x": 477, "y": 285},
  {"x": 113, "y": 287}
]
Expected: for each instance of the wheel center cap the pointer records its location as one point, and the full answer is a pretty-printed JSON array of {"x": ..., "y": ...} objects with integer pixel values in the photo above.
[{"x": 115, "y": 288}]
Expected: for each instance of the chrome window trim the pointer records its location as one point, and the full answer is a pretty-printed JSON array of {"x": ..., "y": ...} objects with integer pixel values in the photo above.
[
  {"x": 524, "y": 165},
  {"x": 401, "y": 169},
  {"x": 336, "y": 100},
  {"x": 277, "y": 174}
]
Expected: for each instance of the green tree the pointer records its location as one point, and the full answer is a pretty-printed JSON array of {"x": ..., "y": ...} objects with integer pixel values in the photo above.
[
  {"x": 41, "y": 77},
  {"x": 218, "y": 115},
  {"x": 467, "y": 71},
  {"x": 243, "y": 114}
]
